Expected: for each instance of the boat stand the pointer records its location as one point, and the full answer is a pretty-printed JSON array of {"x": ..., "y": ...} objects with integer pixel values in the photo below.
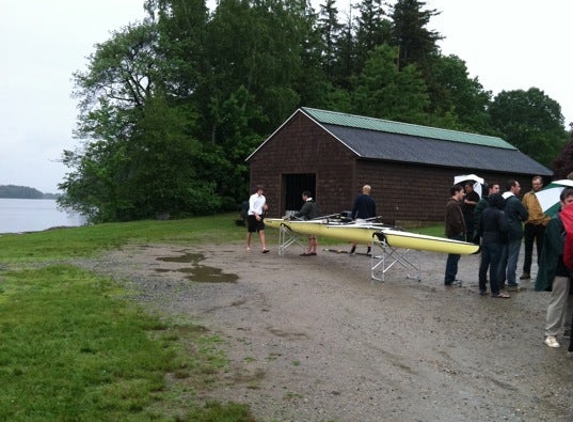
[
  {"x": 287, "y": 237},
  {"x": 388, "y": 256}
]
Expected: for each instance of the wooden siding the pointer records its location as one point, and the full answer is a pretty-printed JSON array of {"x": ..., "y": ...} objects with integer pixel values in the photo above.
[
  {"x": 303, "y": 147},
  {"x": 403, "y": 191}
]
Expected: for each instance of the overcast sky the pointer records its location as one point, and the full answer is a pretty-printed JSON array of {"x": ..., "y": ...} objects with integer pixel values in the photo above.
[{"x": 507, "y": 44}]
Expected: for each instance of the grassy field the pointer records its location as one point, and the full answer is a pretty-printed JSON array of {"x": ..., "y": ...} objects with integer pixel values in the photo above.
[{"x": 72, "y": 348}]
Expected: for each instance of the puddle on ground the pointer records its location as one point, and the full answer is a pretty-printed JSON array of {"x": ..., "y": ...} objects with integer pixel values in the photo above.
[
  {"x": 193, "y": 258},
  {"x": 198, "y": 273}
]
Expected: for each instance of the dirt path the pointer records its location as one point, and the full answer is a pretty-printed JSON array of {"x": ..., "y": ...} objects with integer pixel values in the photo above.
[{"x": 314, "y": 339}]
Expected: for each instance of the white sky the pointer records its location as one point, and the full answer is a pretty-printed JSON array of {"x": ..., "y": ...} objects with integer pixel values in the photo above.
[{"x": 507, "y": 44}]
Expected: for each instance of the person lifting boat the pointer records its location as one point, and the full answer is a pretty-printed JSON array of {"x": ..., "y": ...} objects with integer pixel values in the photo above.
[{"x": 308, "y": 211}]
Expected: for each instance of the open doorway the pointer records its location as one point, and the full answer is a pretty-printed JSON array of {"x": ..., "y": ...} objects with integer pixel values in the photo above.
[{"x": 292, "y": 187}]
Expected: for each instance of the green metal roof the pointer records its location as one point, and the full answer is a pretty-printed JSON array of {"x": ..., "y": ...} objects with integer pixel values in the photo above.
[{"x": 370, "y": 123}]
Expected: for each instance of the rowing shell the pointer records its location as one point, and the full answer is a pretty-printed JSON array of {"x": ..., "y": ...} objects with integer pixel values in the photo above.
[{"x": 364, "y": 232}]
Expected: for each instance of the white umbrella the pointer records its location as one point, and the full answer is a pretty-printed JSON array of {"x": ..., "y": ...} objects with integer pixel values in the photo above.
[
  {"x": 548, "y": 197},
  {"x": 478, "y": 181}
]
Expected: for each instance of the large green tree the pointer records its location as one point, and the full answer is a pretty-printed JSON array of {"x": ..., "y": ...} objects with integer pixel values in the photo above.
[
  {"x": 563, "y": 164},
  {"x": 383, "y": 90},
  {"x": 137, "y": 159},
  {"x": 457, "y": 101},
  {"x": 170, "y": 107},
  {"x": 531, "y": 121},
  {"x": 416, "y": 43}
]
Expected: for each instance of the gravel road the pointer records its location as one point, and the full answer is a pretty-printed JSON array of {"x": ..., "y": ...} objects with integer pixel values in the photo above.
[{"x": 315, "y": 339}]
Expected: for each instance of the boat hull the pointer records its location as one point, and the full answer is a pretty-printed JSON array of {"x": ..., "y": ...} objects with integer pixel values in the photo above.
[{"x": 364, "y": 232}]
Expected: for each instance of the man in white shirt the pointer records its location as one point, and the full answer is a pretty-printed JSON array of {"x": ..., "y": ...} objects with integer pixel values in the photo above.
[{"x": 257, "y": 207}]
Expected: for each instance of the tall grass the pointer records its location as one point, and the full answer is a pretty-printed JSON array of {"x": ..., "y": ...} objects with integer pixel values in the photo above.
[{"x": 73, "y": 349}]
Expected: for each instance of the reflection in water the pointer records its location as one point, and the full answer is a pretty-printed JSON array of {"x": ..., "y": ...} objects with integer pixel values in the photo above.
[{"x": 198, "y": 273}]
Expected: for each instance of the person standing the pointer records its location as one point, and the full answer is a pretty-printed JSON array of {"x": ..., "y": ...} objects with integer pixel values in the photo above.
[
  {"x": 308, "y": 211},
  {"x": 471, "y": 199},
  {"x": 553, "y": 275},
  {"x": 363, "y": 209},
  {"x": 482, "y": 204},
  {"x": 455, "y": 229},
  {"x": 492, "y": 228},
  {"x": 516, "y": 214},
  {"x": 534, "y": 226},
  {"x": 255, "y": 223}
]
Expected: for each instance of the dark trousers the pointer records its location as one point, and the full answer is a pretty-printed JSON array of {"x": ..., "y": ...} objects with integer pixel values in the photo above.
[
  {"x": 452, "y": 263},
  {"x": 508, "y": 262},
  {"x": 532, "y": 234},
  {"x": 490, "y": 258}
]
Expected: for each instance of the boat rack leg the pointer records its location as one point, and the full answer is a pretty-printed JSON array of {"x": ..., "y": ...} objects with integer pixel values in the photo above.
[
  {"x": 385, "y": 257},
  {"x": 287, "y": 237}
]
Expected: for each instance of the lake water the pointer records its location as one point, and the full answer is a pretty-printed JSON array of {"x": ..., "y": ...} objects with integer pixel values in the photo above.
[{"x": 30, "y": 215}]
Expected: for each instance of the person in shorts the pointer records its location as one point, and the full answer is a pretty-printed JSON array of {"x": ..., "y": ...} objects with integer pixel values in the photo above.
[{"x": 255, "y": 223}]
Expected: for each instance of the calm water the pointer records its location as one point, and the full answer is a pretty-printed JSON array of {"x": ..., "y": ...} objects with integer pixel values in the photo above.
[{"x": 30, "y": 215}]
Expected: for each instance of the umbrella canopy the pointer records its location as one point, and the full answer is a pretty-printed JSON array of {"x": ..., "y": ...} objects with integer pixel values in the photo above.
[
  {"x": 478, "y": 181},
  {"x": 548, "y": 197}
]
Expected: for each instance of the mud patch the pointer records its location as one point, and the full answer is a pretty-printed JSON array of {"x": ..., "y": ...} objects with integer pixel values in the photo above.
[{"x": 198, "y": 273}]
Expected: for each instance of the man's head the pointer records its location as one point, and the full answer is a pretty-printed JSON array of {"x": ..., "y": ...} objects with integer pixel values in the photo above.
[
  {"x": 513, "y": 186},
  {"x": 494, "y": 188},
  {"x": 566, "y": 197},
  {"x": 536, "y": 183},
  {"x": 260, "y": 190},
  {"x": 366, "y": 189},
  {"x": 457, "y": 192},
  {"x": 469, "y": 187},
  {"x": 306, "y": 194}
]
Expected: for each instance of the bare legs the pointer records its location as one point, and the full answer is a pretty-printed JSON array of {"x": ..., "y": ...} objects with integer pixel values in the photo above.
[{"x": 261, "y": 237}]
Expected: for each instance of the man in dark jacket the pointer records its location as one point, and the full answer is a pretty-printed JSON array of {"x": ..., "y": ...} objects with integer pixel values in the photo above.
[
  {"x": 363, "y": 209},
  {"x": 516, "y": 215},
  {"x": 492, "y": 228},
  {"x": 455, "y": 229},
  {"x": 308, "y": 211},
  {"x": 482, "y": 205}
]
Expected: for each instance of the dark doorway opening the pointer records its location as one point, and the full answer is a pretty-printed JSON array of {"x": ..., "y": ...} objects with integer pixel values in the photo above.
[{"x": 293, "y": 186}]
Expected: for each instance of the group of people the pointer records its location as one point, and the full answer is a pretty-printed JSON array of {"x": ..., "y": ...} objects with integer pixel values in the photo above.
[
  {"x": 255, "y": 219},
  {"x": 500, "y": 224},
  {"x": 363, "y": 209}
]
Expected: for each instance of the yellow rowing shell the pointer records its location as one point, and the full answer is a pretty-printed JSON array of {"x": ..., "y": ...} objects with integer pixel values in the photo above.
[{"x": 364, "y": 232}]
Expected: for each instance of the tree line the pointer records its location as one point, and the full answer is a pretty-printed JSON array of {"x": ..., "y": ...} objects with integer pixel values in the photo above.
[
  {"x": 171, "y": 106},
  {"x": 24, "y": 192}
]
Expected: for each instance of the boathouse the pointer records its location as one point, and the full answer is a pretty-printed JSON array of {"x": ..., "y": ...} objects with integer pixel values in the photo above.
[{"x": 409, "y": 167}]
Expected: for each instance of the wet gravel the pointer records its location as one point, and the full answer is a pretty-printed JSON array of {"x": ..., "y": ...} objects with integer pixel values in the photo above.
[{"x": 316, "y": 339}]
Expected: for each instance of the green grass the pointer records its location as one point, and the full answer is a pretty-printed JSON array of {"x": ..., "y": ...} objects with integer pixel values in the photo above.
[
  {"x": 86, "y": 241},
  {"x": 73, "y": 348},
  {"x": 433, "y": 230}
]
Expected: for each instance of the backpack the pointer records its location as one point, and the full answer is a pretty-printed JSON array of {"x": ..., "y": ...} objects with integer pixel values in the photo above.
[{"x": 566, "y": 216}]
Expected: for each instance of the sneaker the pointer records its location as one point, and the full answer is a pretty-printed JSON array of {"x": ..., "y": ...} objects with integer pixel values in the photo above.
[
  {"x": 551, "y": 341},
  {"x": 525, "y": 276}
]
